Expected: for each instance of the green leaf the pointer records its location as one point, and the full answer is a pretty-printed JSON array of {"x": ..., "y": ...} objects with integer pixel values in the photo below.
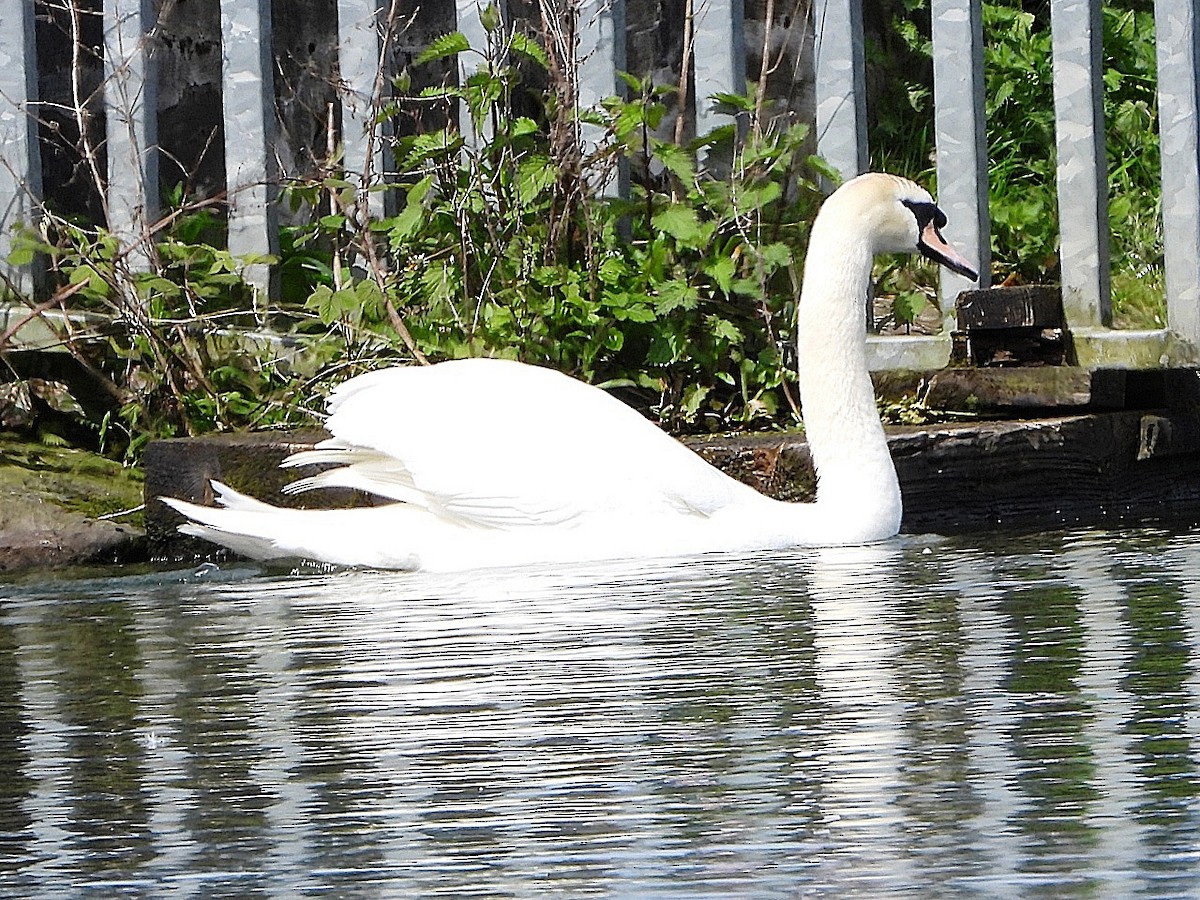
[
  {"x": 721, "y": 271},
  {"x": 445, "y": 45},
  {"x": 406, "y": 223},
  {"x": 907, "y": 306},
  {"x": 735, "y": 102},
  {"x": 676, "y": 294},
  {"x": 523, "y": 125},
  {"x": 489, "y": 17},
  {"x": 776, "y": 255},
  {"x": 526, "y": 46},
  {"x": 724, "y": 329},
  {"x": 680, "y": 222},
  {"x": 677, "y": 160},
  {"x": 693, "y": 398},
  {"x": 21, "y": 256},
  {"x": 534, "y": 175}
]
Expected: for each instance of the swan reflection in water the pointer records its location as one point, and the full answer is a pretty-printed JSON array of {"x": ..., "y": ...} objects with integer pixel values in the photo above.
[{"x": 868, "y": 720}]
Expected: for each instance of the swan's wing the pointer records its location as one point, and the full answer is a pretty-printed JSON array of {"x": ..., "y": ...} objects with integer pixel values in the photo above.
[{"x": 497, "y": 443}]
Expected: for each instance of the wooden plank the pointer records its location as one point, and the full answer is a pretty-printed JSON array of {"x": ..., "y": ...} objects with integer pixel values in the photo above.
[
  {"x": 21, "y": 165},
  {"x": 840, "y": 85},
  {"x": 1023, "y": 306},
  {"x": 1024, "y": 388},
  {"x": 1035, "y": 473},
  {"x": 1176, "y": 24},
  {"x": 364, "y": 151},
  {"x": 132, "y": 195},
  {"x": 1082, "y": 164},
  {"x": 1127, "y": 349},
  {"x": 248, "y": 98},
  {"x": 960, "y": 127}
]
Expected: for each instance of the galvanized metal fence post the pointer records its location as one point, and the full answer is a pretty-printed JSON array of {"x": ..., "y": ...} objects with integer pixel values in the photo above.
[
  {"x": 364, "y": 150},
  {"x": 719, "y": 54},
  {"x": 840, "y": 85},
  {"x": 132, "y": 196},
  {"x": 1082, "y": 165},
  {"x": 600, "y": 54},
  {"x": 1178, "y": 36},
  {"x": 960, "y": 126},
  {"x": 248, "y": 95},
  {"x": 470, "y": 24},
  {"x": 20, "y": 164}
]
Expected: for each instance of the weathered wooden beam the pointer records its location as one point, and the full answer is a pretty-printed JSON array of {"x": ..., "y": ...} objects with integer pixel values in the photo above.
[
  {"x": 1082, "y": 164},
  {"x": 1023, "y": 306},
  {"x": 20, "y": 161},
  {"x": 1024, "y": 388},
  {"x": 131, "y": 113},
  {"x": 960, "y": 126},
  {"x": 248, "y": 97}
]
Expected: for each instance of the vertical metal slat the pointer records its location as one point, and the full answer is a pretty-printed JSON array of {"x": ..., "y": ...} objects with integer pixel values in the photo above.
[
  {"x": 840, "y": 85},
  {"x": 132, "y": 197},
  {"x": 719, "y": 54},
  {"x": 364, "y": 149},
  {"x": 960, "y": 126},
  {"x": 248, "y": 96},
  {"x": 20, "y": 165},
  {"x": 1082, "y": 166},
  {"x": 1179, "y": 132},
  {"x": 600, "y": 54}
]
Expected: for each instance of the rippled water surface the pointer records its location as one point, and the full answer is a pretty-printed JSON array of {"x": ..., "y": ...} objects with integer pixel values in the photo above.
[{"x": 1009, "y": 717}]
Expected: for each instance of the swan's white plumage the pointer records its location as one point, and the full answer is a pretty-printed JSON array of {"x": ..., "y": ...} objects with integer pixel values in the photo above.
[{"x": 496, "y": 463}]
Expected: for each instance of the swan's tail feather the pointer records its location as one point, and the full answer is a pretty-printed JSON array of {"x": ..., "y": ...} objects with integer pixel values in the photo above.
[
  {"x": 378, "y": 536},
  {"x": 320, "y": 454},
  {"x": 248, "y": 545},
  {"x": 236, "y": 500},
  {"x": 241, "y": 523}
]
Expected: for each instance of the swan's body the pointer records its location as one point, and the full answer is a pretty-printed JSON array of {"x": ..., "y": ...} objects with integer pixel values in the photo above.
[{"x": 495, "y": 463}]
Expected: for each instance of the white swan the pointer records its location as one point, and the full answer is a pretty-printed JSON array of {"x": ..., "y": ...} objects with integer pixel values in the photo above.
[{"x": 495, "y": 463}]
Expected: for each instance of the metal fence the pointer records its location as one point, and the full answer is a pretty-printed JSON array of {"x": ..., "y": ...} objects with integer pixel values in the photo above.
[{"x": 719, "y": 55}]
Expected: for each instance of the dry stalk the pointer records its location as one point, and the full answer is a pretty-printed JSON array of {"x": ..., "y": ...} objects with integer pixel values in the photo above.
[{"x": 685, "y": 67}]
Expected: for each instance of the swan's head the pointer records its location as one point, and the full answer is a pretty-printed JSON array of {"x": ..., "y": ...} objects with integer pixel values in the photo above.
[{"x": 896, "y": 216}]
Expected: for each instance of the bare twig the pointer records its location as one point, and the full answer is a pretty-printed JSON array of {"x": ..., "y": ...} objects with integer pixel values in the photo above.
[{"x": 685, "y": 67}]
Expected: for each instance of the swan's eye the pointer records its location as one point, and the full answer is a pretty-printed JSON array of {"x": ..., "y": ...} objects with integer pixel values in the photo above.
[{"x": 925, "y": 213}]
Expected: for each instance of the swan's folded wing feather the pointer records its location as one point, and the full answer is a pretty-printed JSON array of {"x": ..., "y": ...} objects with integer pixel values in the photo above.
[{"x": 499, "y": 444}]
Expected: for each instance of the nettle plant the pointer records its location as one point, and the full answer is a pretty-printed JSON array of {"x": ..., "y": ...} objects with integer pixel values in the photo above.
[
  {"x": 502, "y": 242},
  {"x": 152, "y": 328}
]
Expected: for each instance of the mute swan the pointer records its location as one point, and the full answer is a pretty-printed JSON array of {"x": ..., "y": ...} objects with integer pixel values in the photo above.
[{"x": 496, "y": 463}]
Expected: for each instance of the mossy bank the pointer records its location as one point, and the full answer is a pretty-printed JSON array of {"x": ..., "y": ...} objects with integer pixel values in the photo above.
[{"x": 54, "y": 504}]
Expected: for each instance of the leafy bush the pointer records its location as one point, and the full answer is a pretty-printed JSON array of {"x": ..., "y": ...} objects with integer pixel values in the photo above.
[{"x": 504, "y": 246}]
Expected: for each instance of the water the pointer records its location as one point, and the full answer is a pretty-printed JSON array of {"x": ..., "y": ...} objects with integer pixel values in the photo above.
[{"x": 1016, "y": 717}]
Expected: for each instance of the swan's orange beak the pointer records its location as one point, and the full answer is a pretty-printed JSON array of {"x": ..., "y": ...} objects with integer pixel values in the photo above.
[{"x": 933, "y": 246}]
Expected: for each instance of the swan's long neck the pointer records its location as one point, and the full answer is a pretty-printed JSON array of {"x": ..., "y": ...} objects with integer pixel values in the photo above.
[{"x": 856, "y": 480}]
